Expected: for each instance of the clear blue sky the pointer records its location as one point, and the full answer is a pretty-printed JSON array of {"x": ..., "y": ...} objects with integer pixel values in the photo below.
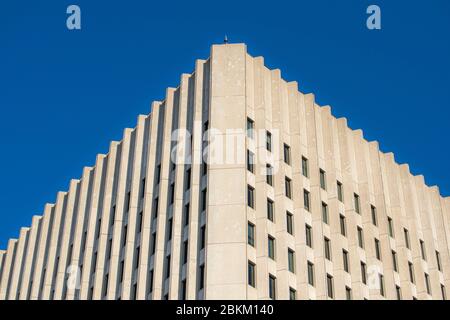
[{"x": 64, "y": 95}]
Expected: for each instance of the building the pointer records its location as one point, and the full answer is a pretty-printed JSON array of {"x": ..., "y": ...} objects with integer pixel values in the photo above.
[{"x": 289, "y": 203}]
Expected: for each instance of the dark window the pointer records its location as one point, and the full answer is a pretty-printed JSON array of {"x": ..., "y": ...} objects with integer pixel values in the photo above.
[
  {"x": 323, "y": 179},
  {"x": 311, "y": 273},
  {"x": 251, "y": 234},
  {"x": 183, "y": 290},
  {"x": 444, "y": 294},
  {"x": 268, "y": 141},
  {"x": 330, "y": 290},
  {"x": 360, "y": 237},
  {"x": 270, "y": 210},
  {"x": 251, "y": 197},
  {"x": 167, "y": 266},
  {"x": 290, "y": 223},
  {"x": 348, "y": 293},
  {"x": 381, "y": 285},
  {"x": 202, "y": 237},
  {"x": 343, "y": 225},
  {"x": 412, "y": 278},
  {"x": 155, "y": 207},
  {"x": 427, "y": 283},
  {"x": 291, "y": 260},
  {"x": 306, "y": 200},
  {"x": 309, "y": 238},
  {"x": 128, "y": 201},
  {"x": 391, "y": 227},
  {"x": 363, "y": 273},
  {"x": 271, "y": 247},
  {"x": 398, "y": 291},
  {"x": 172, "y": 193},
  {"x": 377, "y": 249},
  {"x": 153, "y": 244},
  {"x": 251, "y": 274},
  {"x": 124, "y": 236},
  {"x": 422, "y": 250},
  {"x": 250, "y": 161},
  {"x": 113, "y": 215},
  {"x": 186, "y": 214},
  {"x": 292, "y": 294},
  {"x": 327, "y": 244},
  {"x": 272, "y": 287},
  {"x": 143, "y": 188},
  {"x": 324, "y": 212},
  {"x": 250, "y": 128},
  {"x": 204, "y": 200},
  {"x": 139, "y": 222},
  {"x": 357, "y": 205},
  {"x": 169, "y": 229},
  {"x": 407, "y": 243},
  {"x": 287, "y": 187},
  {"x": 269, "y": 174},
  {"x": 345, "y": 261},
  {"x": 287, "y": 154},
  {"x": 201, "y": 277},
  {"x": 394, "y": 261},
  {"x": 185, "y": 251},
  {"x": 158, "y": 173},
  {"x": 438, "y": 261},
  {"x": 305, "y": 167},
  {"x": 136, "y": 257},
  {"x": 188, "y": 179},
  {"x": 373, "y": 211},
  {"x": 340, "y": 191}
]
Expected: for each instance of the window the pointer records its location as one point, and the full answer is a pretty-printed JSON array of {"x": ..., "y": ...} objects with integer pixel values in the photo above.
[
  {"x": 136, "y": 257},
  {"x": 251, "y": 234},
  {"x": 203, "y": 199},
  {"x": 357, "y": 205},
  {"x": 186, "y": 214},
  {"x": 270, "y": 210},
  {"x": 272, "y": 287},
  {"x": 306, "y": 200},
  {"x": 407, "y": 243},
  {"x": 290, "y": 223},
  {"x": 330, "y": 286},
  {"x": 169, "y": 229},
  {"x": 427, "y": 283},
  {"x": 363, "y": 273},
  {"x": 183, "y": 289},
  {"x": 394, "y": 261},
  {"x": 251, "y": 197},
  {"x": 271, "y": 247},
  {"x": 391, "y": 227},
  {"x": 201, "y": 277},
  {"x": 305, "y": 168},
  {"x": 292, "y": 294},
  {"x": 204, "y": 166},
  {"x": 124, "y": 236},
  {"x": 324, "y": 212},
  {"x": 348, "y": 293},
  {"x": 377, "y": 249},
  {"x": 153, "y": 249},
  {"x": 360, "y": 237},
  {"x": 398, "y": 291},
  {"x": 340, "y": 191},
  {"x": 343, "y": 224},
  {"x": 269, "y": 174},
  {"x": 323, "y": 182},
  {"x": 185, "y": 251},
  {"x": 373, "y": 211},
  {"x": 444, "y": 295},
  {"x": 113, "y": 215},
  {"x": 139, "y": 222},
  {"x": 308, "y": 230},
  {"x": 142, "y": 188},
  {"x": 268, "y": 141},
  {"x": 251, "y": 274},
  {"x": 311, "y": 273},
  {"x": 168, "y": 267},
  {"x": 250, "y": 161},
  {"x": 250, "y": 128},
  {"x": 187, "y": 178},
  {"x": 381, "y": 285},
  {"x": 291, "y": 260},
  {"x": 287, "y": 187},
  {"x": 438, "y": 261},
  {"x": 128, "y": 201},
  {"x": 411, "y": 272},
  {"x": 202, "y": 237},
  {"x": 172, "y": 193},
  {"x": 158, "y": 172},
  {"x": 327, "y": 244},
  {"x": 155, "y": 208},
  {"x": 422, "y": 250},
  {"x": 345, "y": 260},
  {"x": 287, "y": 154}
]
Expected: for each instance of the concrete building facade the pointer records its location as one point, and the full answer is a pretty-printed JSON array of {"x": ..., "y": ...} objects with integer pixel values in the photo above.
[{"x": 236, "y": 186}]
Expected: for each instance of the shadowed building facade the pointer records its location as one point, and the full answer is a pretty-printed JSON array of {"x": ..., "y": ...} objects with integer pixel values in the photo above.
[{"x": 314, "y": 211}]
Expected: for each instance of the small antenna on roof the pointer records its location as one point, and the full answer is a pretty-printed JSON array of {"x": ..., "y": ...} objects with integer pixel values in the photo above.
[{"x": 225, "y": 40}]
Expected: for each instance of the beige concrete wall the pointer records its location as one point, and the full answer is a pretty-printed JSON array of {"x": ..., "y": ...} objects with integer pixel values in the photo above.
[{"x": 91, "y": 243}]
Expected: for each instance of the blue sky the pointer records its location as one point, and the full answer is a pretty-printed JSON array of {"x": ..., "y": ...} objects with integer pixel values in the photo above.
[{"x": 64, "y": 95}]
